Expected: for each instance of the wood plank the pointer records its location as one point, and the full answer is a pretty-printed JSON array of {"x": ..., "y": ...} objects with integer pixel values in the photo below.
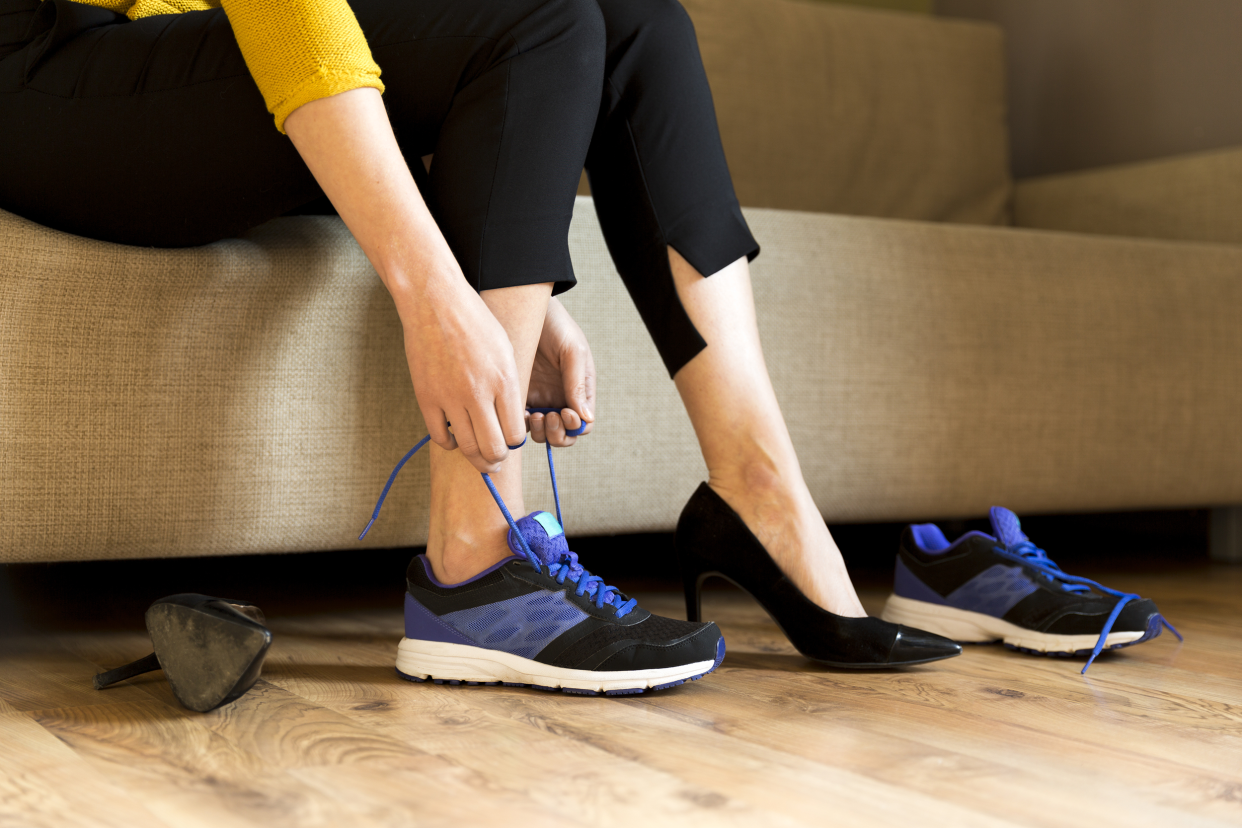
[
  {"x": 37, "y": 673},
  {"x": 187, "y": 774},
  {"x": 996, "y": 768},
  {"x": 43, "y": 782},
  {"x": 330, "y": 735},
  {"x": 283, "y": 731},
  {"x": 573, "y": 778}
]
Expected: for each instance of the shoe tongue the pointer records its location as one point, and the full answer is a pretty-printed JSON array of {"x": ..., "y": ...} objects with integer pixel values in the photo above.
[
  {"x": 544, "y": 536},
  {"x": 1006, "y": 526}
]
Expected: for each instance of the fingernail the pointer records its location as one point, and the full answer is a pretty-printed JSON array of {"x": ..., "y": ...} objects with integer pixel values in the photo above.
[{"x": 586, "y": 413}]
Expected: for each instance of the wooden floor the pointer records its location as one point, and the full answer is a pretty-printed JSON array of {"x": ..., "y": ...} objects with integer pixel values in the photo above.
[{"x": 330, "y": 736}]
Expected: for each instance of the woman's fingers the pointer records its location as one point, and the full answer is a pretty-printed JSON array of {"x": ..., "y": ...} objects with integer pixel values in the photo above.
[
  {"x": 563, "y": 377},
  {"x": 480, "y": 440},
  {"x": 437, "y": 427},
  {"x": 550, "y": 428},
  {"x": 537, "y": 430},
  {"x": 511, "y": 415},
  {"x": 578, "y": 377},
  {"x": 554, "y": 426}
]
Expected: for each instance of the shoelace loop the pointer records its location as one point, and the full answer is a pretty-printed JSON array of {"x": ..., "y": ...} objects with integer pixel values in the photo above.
[
  {"x": 1025, "y": 552},
  {"x": 1032, "y": 554},
  {"x": 567, "y": 567}
]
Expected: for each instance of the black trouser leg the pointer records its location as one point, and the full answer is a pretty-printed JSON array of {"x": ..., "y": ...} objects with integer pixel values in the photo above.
[
  {"x": 152, "y": 132},
  {"x": 657, "y": 168}
]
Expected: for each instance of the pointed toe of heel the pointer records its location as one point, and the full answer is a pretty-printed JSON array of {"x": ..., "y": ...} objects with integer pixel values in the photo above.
[
  {"x": 919, "y": 647},
  {"x": 867, "y": 643}
]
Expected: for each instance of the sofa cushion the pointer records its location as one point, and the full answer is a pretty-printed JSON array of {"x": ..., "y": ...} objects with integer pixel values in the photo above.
[
  {"x": 1195, "y": 197},
  {"x": 842, "y": 110}
]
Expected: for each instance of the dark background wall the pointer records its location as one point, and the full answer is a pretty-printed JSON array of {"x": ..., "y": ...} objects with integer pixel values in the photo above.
[{"x": 1097, "y": 82}]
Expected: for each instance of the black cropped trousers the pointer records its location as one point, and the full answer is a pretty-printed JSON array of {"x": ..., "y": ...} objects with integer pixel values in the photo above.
[{"x": 152, "y": 132}]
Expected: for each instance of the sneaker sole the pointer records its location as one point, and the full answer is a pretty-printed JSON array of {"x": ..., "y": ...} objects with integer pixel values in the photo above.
[
  {"x": 444, "y": 663},
  {"x": 977, "y": 628}
]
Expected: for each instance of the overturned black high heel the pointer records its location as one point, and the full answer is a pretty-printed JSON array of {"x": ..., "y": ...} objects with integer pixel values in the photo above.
[
  {"x": 210, "y": 649},
  {"x": 713, "y": 540}
]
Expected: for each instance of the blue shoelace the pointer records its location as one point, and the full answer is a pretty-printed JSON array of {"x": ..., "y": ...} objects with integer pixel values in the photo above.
[
  {"x": 567, "y": 568},
  {"x": 1028, "y": 553}
]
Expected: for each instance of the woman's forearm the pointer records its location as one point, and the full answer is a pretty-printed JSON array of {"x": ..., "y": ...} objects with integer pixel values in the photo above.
[
  {"x": 461, "y": 361},
  {"x": 348, "y": 144}
]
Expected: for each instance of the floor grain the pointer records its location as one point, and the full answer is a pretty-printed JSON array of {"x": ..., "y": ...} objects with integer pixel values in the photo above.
[{"x": 1152, "y": 736}]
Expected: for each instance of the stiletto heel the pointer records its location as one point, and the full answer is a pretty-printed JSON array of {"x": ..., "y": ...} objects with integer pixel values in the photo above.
[
  {"x": 146, "y": 664},
  {"x": 210, "y": 649},
  {"x": 693, "y": 585},
  {"x": 713, "y": 540}
]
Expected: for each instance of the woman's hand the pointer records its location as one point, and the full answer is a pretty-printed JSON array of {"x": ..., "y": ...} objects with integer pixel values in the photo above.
[
  {"x": 563, "y": 377},
  {"x": 462, "y": 366},
  {"x": 461, "y": 360}
]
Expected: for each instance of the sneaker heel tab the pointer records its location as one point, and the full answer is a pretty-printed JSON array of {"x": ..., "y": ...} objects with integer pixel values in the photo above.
[
  {"x": 927, "y": 537},
  {"x": 418, "y": 571}
]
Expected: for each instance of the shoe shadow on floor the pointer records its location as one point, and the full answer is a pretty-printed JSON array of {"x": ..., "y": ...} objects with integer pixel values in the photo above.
[
  {"x": 280, "y": 671},
  {"x": 793, "y": 663},
  {"x": 291, "y": 632}
]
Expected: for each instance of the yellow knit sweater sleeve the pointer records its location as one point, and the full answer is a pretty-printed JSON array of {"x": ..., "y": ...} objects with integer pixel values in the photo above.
[{"x": 297, "y": 50}]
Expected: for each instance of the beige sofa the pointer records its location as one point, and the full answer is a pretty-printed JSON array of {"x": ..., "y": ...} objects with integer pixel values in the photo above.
[{"x": 251, "y": 395}]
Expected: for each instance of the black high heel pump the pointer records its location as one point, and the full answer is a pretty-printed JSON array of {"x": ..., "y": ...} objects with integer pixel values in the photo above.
[
  {"x": 713, "y": 540},
  {"x": 210, "y": 649}
]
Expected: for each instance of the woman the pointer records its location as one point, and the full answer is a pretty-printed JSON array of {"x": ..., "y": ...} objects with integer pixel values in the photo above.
[{"x": 147, "y": 123}]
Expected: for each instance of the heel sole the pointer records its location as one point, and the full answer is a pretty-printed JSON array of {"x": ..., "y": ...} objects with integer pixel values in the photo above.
[{"x": 208, "y": 660}]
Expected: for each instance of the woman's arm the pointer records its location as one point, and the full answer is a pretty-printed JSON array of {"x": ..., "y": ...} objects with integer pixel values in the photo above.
[
  {"x": 297, "y": 51},
  {"x": 460, "y": 359}
]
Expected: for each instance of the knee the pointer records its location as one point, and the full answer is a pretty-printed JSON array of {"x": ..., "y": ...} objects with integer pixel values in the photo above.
[
  {"x": 664, "y": 15},
  {"x": 660, "y": 23},
  {"x": 576, "y": 31}
]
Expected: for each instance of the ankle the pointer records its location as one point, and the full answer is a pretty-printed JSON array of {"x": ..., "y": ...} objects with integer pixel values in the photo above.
[
  {"x": 455, "y": 558},
  {"x": 757, "y": 484}
]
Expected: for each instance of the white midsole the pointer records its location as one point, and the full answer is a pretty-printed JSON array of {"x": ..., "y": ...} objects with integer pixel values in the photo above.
[
  {"x": 964, "y": 625},
  {"x": 459, "y": 662}
]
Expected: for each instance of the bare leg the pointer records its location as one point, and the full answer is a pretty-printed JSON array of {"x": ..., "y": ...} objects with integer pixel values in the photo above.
[
  {"x": 467, "y": 532},
  {"x": 750, "y": 459}
]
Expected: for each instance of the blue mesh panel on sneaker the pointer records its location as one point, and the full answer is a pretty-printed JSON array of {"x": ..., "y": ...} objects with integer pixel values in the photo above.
[
  {"x": 994, "y": 591},
  {"x": 523, "y": 625},
  {"x": 502, "y": 634},
  {"x": 486, "y": 618}
]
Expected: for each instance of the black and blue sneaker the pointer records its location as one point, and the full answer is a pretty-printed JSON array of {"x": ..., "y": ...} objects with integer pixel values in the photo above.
[
  {"x": 982, "y": 588},
  {"x": 550, "y": 625},
  {"x": 539, "y": 619}
]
